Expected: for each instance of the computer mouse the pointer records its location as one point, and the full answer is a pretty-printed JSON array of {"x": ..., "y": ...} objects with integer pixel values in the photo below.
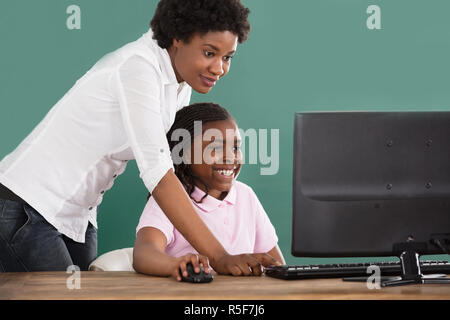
[{"x": 201, "y": 277}]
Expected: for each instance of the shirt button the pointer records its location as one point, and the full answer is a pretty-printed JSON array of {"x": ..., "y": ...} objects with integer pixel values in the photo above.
[
  {"x": 91, "y": 208},
  {"x": 115, "y": 176},
  {"x": 102, "y": 192}
]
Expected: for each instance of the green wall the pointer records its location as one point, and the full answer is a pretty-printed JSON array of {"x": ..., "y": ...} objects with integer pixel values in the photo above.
[{"x": 301, "y": 55}]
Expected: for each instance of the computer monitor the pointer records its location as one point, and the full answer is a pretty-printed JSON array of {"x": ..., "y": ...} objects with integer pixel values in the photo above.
[{"x": 367, "y": 183}]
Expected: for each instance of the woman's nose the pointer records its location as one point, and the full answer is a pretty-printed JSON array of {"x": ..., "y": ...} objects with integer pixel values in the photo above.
[{"x": 216, "y": 68}]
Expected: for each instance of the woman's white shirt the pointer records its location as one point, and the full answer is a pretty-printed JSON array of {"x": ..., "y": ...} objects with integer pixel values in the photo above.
[{"x": 120, "y": 110}]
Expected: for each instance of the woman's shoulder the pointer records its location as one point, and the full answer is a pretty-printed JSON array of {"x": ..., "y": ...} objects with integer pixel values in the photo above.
[{"x": 133, "y": 53}]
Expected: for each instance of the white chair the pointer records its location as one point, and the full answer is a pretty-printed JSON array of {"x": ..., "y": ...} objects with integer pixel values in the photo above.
[{"x": 116, "y": 260}]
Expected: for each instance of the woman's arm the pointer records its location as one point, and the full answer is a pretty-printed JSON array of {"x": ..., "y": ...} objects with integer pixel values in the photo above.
[
  {"x": 174, "y": 201},
  {"x": 149, "y": 256}
]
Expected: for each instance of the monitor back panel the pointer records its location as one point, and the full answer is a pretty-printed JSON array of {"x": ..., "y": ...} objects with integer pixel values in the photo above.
[{"x": 364, "y": 181}]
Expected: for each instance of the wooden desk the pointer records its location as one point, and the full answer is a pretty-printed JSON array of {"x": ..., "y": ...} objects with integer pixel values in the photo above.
[{"x": 129, "y": 285}]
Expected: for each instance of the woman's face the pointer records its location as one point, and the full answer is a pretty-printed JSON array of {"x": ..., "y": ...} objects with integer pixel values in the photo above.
[
  {"x": 204, "y": 59},
  {"x": 221, "y": 157}
]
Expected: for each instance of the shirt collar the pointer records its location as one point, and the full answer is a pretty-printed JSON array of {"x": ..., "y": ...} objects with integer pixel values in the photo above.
[
  {"x": 168, "y": 72},
  {"x": 210, "y": 203}
]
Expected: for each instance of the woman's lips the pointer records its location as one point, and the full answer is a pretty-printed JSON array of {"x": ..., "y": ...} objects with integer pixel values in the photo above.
[{"x": 208, "y": 81}]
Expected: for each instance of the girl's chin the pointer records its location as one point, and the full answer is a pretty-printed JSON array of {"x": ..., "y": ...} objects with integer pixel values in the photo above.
[
  {"x": 222, "y": 180},
  {"x": 219, "y": 193},
  {"x": 222, "y": 187}
]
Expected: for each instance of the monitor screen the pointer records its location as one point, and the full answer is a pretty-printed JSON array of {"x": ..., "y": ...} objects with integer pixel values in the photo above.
[{"x": 364, "y": 182}]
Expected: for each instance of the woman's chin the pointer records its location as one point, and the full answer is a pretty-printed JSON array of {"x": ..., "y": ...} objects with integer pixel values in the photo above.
[{"x": 201, "y": 89}]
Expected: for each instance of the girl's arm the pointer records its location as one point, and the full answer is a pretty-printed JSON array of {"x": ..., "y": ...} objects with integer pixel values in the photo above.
[
  {"x": 149, "y": 256},
  {"x": 276, "y": 253},
  {"x": 175, "y": 203}
]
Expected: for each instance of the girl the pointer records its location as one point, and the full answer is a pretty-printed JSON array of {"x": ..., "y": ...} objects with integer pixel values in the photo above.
[
  {"x": 228, "y": 207},
  {"x": 120, "y": 110}
]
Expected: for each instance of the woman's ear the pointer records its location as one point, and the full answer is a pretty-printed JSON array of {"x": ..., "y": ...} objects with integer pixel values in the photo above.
[{"x": 176, "y": 43}]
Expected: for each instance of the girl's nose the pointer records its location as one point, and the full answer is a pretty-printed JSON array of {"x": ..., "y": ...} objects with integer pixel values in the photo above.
[{"x": 232, "y": 157}]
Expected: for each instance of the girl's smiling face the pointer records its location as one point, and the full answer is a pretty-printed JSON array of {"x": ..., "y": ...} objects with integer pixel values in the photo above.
[
  {"x": 221, "y": 157},
  {"x": 203, "y": 60}
]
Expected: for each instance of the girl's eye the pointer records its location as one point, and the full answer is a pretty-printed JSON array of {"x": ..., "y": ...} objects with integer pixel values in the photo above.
[{"x": 209, "y": 54}]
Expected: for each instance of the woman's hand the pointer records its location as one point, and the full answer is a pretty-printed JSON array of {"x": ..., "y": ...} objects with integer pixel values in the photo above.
[
  {"x": 244, "y": 264},
  {"x": 197, "y": 260}
]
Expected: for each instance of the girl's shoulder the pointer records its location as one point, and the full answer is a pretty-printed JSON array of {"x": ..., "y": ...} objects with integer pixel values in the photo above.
[
  {"x": 243, "y": 189},
  {"x": 152, "y": 207}
]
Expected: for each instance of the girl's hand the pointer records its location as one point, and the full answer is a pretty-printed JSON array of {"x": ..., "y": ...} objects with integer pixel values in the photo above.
[{"x": 197, "y": 260}]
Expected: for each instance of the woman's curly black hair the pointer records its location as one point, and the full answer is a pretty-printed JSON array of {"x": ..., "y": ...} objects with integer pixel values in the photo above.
[
  {"x": 179, "y": 19},
  {"x": 184, "y": 119}
]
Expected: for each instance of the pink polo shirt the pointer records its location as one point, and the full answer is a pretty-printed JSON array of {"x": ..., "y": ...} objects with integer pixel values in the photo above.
[{"x": 239, "y": 222}]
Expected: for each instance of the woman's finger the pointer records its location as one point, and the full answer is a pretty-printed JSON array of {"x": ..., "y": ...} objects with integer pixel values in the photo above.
[
  {"x": 266, "y": 259},
  {"x": 205, "y": 262}
]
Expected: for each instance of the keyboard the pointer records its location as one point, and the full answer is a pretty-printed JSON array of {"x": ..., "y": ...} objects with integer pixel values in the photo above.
[{"x": 288, "y": 272}]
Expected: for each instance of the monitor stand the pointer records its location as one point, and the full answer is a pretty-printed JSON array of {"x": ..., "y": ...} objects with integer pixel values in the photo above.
[{"x": 410, "y": 265}]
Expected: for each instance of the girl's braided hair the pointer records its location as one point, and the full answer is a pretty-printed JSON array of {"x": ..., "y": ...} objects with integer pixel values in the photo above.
[{"x": 184, "y": 119}]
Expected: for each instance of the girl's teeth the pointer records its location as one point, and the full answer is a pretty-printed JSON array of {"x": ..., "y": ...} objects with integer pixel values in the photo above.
[{"x": 226, "y": 172}]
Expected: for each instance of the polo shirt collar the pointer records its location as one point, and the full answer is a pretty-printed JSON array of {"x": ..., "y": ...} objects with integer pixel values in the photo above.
[
  {"x": 168, "y": 72},
  {"x": 210, "y": 203}
]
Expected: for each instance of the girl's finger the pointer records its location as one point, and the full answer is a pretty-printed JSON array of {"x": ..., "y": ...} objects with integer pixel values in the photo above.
[
  {"x": 183, "y": 268},
  {"x": 177, "y": 274},
  {"x": 195, "y": 263}
]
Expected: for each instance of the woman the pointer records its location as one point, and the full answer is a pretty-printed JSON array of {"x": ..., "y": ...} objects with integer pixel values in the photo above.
[{"x": 121, "y": 109}]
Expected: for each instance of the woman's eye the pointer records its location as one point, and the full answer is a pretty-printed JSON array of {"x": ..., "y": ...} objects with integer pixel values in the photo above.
[
  {"x": 209, "y": 53},
  {"x": 227, "y": 58}
]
